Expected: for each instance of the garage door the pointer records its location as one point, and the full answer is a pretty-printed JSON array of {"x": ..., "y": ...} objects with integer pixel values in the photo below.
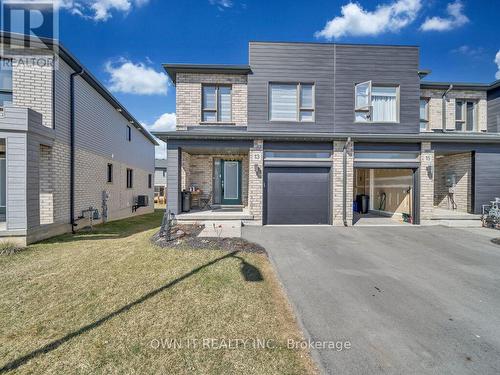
[{"x": 297, "y": 195}]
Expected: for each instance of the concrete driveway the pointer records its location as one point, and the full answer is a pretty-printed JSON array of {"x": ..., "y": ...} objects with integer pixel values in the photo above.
[{"x": 410, "y": 300}]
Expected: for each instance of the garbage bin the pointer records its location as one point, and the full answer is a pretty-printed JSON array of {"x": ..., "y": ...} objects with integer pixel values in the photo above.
[
  {"x": 186, "y": 201},
  {"x": 365, "y": 200}
]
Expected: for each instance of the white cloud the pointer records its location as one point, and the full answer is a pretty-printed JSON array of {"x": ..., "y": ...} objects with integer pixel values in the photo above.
[
  {"x": 161, "y": 151},
  {"x": 129, "y": 78},
  {"x": 497, "y": 61},
  {"x": 456, "y": 18},
  {"x": 165, "y": 122},
  {"x": 356, "y": 21},
  {"x": 470, "y": 51},
  {"x": 99, "y": 10},
  {"x": 221, "y": 4}
]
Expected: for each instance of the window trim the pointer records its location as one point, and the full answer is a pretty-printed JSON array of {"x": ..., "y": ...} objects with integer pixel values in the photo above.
[
  {"x": 130, "y": 182},
  {"x": 426, "y": 120},
  {"x": 216, "y": 109},
  {"x": 369, "y": 108},
  {"x": 463, "y": 121},
  {"x": 299, "y": 107},
  {"x": 109, "y": 172}
]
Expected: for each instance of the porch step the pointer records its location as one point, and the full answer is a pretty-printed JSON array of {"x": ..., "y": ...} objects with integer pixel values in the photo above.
[{"x": 216, "y": 215}]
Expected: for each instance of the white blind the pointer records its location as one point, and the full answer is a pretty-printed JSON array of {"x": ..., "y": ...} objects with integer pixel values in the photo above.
[
  {"x": 384, "y": 104},
  {"x": 283, "y": 102},
  {"x": 224, "y": 104}
]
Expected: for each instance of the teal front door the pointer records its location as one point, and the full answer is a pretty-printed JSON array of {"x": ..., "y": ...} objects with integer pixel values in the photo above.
[{"x": 231, "y": 182}]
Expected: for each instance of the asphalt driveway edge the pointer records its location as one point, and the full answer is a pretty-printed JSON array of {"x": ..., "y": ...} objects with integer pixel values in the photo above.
[{"x": 314, "y": 352}]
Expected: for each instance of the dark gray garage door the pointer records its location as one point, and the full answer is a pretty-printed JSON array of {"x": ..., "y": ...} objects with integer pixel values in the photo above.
[{"x": 297, "y": 195}]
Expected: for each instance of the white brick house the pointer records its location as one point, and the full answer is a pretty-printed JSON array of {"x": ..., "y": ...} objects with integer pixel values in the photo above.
[{"x": 66, "y": 145}]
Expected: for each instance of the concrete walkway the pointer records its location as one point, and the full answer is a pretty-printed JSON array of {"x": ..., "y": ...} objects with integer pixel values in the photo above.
[{"x": 410, "y": 300}]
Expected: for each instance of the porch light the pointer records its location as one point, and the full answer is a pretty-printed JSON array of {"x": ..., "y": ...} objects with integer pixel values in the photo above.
[{"x": 257, "y": 169}]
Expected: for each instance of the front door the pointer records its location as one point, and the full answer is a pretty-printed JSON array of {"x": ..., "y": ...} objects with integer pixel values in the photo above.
[{"x": 231, "y": 182}]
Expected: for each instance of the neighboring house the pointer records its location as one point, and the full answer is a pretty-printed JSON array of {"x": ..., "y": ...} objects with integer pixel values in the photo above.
[
  {"x": 70, "y": 149},
  {"x": 160, "y": 180},
  {"x": 305, "y": 129}
]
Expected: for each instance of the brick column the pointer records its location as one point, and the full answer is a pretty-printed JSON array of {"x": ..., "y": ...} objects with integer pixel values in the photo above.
[
  {"x": 427, "y": 173},
  {"x": 255, "y": 180},
  {"x": 338, "y": 185}
]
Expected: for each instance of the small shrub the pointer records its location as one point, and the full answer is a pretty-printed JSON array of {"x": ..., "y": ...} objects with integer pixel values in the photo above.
[{"x": 9, "y": 248}]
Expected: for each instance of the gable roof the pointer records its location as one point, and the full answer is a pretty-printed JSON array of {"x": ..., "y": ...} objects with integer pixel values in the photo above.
[{"x": 76, "y": 65}]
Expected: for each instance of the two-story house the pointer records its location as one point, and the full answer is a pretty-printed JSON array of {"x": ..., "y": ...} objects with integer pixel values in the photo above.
[
  {"x": 69, "y": 151},
  {"x": 311, "y": 133}
]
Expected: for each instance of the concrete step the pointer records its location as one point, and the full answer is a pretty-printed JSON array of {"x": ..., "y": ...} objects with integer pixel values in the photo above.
[{"x": 460, "y": 223}]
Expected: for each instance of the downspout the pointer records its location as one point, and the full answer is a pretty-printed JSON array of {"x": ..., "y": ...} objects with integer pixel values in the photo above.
[
  {"x": 72, "y": 149},
  {"x": 344, "y": 181},
  {"x": 445, "y": 98}
]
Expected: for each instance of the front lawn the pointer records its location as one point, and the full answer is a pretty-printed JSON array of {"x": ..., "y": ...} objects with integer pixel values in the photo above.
[{"x": 103, "y": 302}]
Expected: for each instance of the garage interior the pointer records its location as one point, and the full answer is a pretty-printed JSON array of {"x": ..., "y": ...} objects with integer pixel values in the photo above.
[{"x": 383, "y": 196}]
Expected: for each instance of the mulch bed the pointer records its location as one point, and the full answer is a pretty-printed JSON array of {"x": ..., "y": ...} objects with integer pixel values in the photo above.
[{"x": 187, "y": 238}]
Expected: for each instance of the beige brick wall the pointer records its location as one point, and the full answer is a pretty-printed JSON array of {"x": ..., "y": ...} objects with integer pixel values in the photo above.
[
  {"x": 32, "y": 88},
  {"x": 185, "y": 170},
  {"x": 461, "y": 166},
  {"x": 338, "y": 186},
  {"x": 256, "y": 181},
  {"x": 91, "y": 181},
  {"x": 427, "y": 174},
  {"x": 436, "y": 107},
  {"x": 46, "y": 185},
  {"x": 200, "y": 169},
  {"x": 188, "y": 97}
]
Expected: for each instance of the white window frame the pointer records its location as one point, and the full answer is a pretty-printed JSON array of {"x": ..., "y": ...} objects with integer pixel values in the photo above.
[
  {"x": 299, "y": 107},
  {"x": 463, "y": 121},
  {"x": 426, "y": 120},
  {"x": 368, "y": 109}
]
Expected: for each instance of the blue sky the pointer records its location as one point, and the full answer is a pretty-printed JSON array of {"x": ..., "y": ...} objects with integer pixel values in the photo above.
[{"x": 124, "y": 42}]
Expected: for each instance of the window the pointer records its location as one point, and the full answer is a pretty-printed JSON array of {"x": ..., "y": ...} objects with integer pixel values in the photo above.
[
  {"x": 424, "y": 114},
  {"x": 376, "y": 103},
  {"x": 5, "y": 82},
  {"x": 150, "y": 181},
  {"x": 110, "y": 172},
  {"x": 291, "y": 102},
  {"x": 130, "y": 178},
  {"x": 465, "y": 116},
  {"x": 216, "y": 104},
  {"x": 129, "y": 133}
]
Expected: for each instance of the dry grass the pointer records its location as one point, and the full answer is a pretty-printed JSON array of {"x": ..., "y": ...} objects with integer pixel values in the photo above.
[{"x": 93, "y": 303}]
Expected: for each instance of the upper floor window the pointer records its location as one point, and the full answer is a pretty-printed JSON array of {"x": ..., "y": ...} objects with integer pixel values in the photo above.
[
  {"x": 129, "y": 133},
  {"x": 150, "y": 181},
  {"x": 216, "y": 104},
  {"x": 376, "y": 103},
  {"x": 291, "y": 102},
  {"x": 5, "y": 82},
  {"x": 424, "y": 114},
  {"x": 466, "y": 115}
]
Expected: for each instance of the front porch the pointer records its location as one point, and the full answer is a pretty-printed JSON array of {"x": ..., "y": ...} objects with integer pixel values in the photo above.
[{"x": 218, "y": 176}]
